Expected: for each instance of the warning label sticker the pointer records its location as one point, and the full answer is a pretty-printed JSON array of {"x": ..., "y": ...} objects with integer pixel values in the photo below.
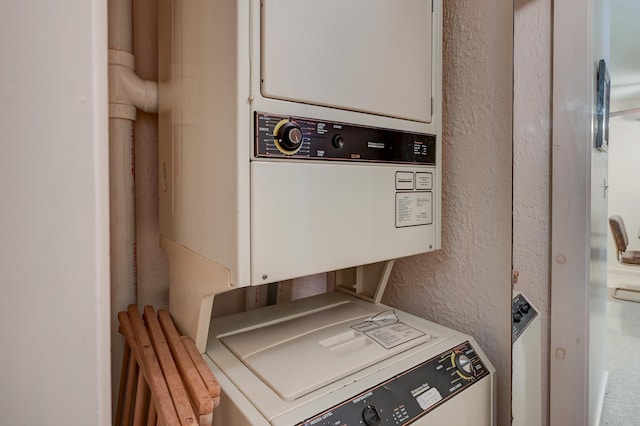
[{"x": 413, "y": 208}]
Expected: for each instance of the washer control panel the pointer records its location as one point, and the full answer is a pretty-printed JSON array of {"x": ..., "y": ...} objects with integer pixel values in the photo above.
[
  {"x": 278, "y": 136},
  {"x": 409, "y": 395},
  {"x": 522, "y": 313}
]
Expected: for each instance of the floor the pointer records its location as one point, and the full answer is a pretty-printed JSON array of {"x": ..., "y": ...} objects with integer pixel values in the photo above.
[{"x": 622, "y": 398}]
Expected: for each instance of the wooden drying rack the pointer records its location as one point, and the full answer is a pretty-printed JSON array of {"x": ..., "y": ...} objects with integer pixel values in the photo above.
[{"x": 165, "y": 381}]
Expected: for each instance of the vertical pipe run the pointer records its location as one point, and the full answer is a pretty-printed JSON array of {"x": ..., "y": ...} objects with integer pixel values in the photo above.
[
  {"x": 122, "y": 191},
  {"x": 120, "y": 25},
  {"x": 122, "y": 221},
  {"x": 127, "y": 93}
]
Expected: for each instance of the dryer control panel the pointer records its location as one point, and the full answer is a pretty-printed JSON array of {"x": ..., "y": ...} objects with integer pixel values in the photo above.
[
  {"x": 278, "y": 136},
  {"x": 409, "y": 395}
]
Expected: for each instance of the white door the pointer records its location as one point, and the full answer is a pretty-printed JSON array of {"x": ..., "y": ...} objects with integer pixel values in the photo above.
[{"x": 579, "y": 218}]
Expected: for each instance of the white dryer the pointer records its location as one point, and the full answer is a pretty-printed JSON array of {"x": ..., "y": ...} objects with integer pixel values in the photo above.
[{"x": 334, "y": 359}]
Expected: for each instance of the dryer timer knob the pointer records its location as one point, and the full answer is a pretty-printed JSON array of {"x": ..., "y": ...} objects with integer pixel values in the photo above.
[{"x": 289, "y": 138}]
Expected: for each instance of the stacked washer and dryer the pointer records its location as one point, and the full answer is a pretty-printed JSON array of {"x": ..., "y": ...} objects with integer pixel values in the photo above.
[{"x": 300, "y": 137}]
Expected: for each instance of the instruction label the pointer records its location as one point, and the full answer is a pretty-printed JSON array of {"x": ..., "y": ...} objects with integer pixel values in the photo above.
[
  {"x": 394, "y": 335},
  {"x": 413, "y": 208},
  {"x": 386, "y": 329}
]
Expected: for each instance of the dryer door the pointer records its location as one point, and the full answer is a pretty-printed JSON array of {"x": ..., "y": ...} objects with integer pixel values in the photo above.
[{"x": 372, "y": 56}]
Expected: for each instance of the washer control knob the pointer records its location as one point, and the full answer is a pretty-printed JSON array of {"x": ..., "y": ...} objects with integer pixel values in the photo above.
[
  {"x": 337, "y": 140},
  {"x": 464, "y": 365},
  {"x": 288, "y": 137},
  {"x": 517, "y": 316},
  {"x": 371, "y": 416}
]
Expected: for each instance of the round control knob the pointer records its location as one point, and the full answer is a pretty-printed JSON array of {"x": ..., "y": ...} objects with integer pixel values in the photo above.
[
  {"x": 371, "y": 416},
  {"x": 289, "y": 138},
  {"x": 337, "y": 140},
  {"x": 464, "y": 365},
  {"x": 517, "y": 316}
]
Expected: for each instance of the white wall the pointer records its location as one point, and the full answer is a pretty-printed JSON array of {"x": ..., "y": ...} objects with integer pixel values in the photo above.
[
  {"x": 54, "y": 244},
  {"x": 467, "y": 284}
]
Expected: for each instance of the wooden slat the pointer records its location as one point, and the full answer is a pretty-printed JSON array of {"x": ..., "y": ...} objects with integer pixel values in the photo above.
[
  {"x": 151, "y": 368},
  {"x": 126, "y": 360},
  {"x": 205, "y": 372},
  {"x": 152, "y": 418},
  {"x": 206, "y": 419},
  {"x": 199, "y": 393},
  {"x": 134, "y": 366},
  {"x": 169, "y": 369},
  {"x": 131, "y": 368},
  {"x": 142, "y": 401}
]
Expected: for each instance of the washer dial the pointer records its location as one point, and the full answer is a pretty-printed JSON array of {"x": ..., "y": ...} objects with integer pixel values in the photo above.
[{"x": 463, "y": 364}]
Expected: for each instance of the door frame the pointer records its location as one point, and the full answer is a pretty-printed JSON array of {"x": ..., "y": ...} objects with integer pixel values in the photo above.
[{"x": 577, "y": 370}]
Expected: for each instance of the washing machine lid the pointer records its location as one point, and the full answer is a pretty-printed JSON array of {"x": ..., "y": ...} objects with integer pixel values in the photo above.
[{"x": 305, "y": 352}]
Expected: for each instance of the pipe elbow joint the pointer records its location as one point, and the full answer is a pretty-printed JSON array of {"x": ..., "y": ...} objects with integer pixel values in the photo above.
[{"x": 127, "y": 91}]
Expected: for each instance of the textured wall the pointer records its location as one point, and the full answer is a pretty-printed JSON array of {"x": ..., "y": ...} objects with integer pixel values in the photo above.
[
  {"x": 531, "y": 162},
  {"x": 467, "y": 285}
]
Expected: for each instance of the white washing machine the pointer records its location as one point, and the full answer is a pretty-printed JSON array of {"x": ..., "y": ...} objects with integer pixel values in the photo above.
[{"x": 334, "y": 359}]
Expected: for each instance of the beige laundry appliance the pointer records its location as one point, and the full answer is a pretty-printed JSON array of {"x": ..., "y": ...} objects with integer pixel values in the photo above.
[
  {"x": 296, "y": 137},
  {"x": 300, "y": 137},
  {"x": 337, "y": 360}
]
